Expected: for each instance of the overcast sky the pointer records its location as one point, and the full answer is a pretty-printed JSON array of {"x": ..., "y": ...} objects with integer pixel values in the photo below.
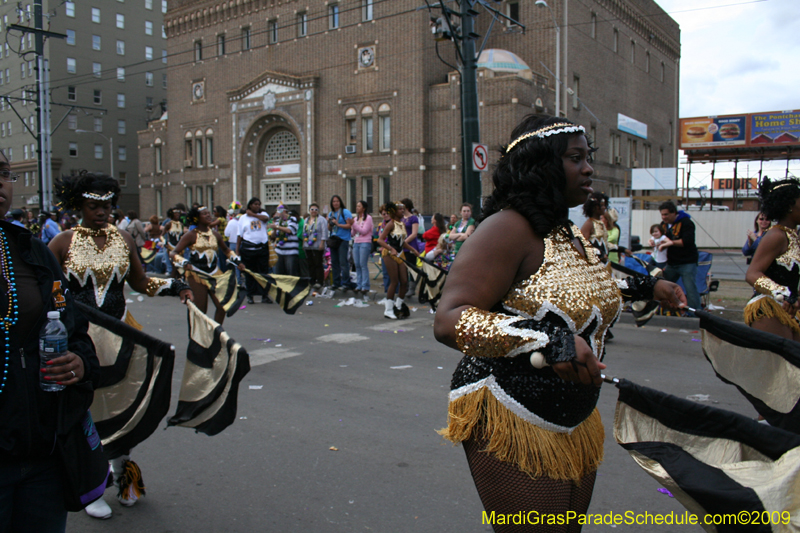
[{"x": 743, "y": 57}]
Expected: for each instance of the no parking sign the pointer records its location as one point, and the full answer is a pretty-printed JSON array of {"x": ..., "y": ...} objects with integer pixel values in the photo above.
[{"x": 480, "y": 157}]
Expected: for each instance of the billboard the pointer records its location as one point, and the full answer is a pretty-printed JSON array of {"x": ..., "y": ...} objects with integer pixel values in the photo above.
[
  {"x": 653, "y": 179},
  {"x": 748, "y": 130}
]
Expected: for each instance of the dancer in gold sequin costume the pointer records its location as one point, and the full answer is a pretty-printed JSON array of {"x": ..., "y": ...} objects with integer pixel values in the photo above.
[
  {"x": 203, "y": 243},
  {"x": 392, "y": 241},
  {"x": 774, "y": 271},
  {"x": 594, "y": 229},
  {"x": 97, "y": 260},
  {"x": 528, "y": 303}
]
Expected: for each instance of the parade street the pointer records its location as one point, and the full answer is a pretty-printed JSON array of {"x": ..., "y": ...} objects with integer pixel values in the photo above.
[{"x": 336, "y": 428}]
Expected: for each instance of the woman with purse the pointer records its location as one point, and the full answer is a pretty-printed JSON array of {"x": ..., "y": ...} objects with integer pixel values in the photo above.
[{"x": 35, "y": 495}]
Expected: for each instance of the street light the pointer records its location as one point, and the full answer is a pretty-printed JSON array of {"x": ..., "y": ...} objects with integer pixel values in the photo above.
[
  {"x": 543, "y": 3},
  {"x": 110, "y": 146}
]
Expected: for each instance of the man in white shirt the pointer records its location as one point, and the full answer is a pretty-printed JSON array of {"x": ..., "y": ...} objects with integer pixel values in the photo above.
[
  {"x": 252, "y": 246},
  {"x": 231, "y": 238}
]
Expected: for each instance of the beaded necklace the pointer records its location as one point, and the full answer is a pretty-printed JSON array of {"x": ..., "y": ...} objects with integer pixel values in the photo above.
[{"x": 7, "y": 322}]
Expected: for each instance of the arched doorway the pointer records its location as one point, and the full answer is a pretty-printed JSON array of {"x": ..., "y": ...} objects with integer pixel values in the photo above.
[{"x": 279, "y": 159}]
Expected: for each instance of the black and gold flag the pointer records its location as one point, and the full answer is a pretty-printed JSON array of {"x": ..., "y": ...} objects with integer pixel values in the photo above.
[
  {"x": 215, "y": 365},
  {"x": 135, "y": 381},
  {"x": 429, "y": 279},
  {"x": 288, "y": 291}
]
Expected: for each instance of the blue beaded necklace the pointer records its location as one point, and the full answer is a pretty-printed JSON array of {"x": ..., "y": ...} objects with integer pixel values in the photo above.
[{"x": 7, "y": 322}]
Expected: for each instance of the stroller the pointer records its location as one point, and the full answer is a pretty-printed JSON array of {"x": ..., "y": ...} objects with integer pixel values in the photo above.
[{"x": 705, "y": 282}]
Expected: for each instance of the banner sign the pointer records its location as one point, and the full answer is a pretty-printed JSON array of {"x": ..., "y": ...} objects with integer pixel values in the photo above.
[
  {"x": 632, "y": 126},
  {"x": 277, "y": 170},
  {"x": 751, "y": 130}
]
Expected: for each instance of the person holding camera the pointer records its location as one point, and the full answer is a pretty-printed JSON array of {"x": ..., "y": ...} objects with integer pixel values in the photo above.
[{"x": 340, "y": 220}]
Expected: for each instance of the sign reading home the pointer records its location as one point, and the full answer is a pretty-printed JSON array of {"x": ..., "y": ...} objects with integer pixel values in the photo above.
[{"x": 279, "y": 170}]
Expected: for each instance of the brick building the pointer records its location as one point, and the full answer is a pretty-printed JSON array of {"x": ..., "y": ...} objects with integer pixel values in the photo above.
[
  {"x": 107, "y": 79},
  {"x": 294, "y": 102}
]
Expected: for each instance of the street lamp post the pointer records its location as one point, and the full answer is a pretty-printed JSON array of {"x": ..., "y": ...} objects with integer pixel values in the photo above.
[
  {"x": 543, "y": 3},
  {"x": 110, "y": 147}
]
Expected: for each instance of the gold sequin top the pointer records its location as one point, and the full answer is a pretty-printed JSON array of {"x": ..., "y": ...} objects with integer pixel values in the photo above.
[
  {"x": 398, "y": 235},
  {"x": 94, "y": 273},
  {"x": 203, "y": 253},
  {"x": 174, "y": 234},
  {"x": 785, "y": 269},
  {"x": 599, "y": 236}
]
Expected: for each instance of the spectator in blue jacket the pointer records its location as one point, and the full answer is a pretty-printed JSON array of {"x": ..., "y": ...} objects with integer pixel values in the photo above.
[{"x": 760, "y": 226}]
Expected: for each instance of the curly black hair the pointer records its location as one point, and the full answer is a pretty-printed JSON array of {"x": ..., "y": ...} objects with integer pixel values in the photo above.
[
  {"x": 70, "y": 189},
  {"x": 593, "y": 201},
  {"x": 530, "y": 179},
  {"x": 778, "y": 197},
  {"x": 193, "y": 216}
]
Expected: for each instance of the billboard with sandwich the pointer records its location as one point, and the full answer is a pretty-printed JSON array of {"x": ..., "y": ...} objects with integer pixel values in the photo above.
[{"x": 754, "y": 129}]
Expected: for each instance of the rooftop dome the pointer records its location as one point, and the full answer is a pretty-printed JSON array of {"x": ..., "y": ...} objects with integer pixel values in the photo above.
[{"x": 502, "y": 61}]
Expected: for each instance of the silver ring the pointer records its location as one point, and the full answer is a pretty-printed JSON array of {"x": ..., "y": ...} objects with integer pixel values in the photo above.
[{"x": 74, "y": 375}]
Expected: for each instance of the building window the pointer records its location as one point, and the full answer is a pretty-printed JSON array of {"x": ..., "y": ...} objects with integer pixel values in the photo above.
[
  {"x": 198, "y": 50},
  {"x": 189, "y": 196},
  {"x": 122, "y": 179},
  {"x": 633, "y": 51},
  {"x": 30, "y": 69},
  {"x": 210, "y": 147},
  {"x": 121, "y": 126},
  {"x": 351, "y": 128},
  {"x": 2, "y": 102},
  {"x": 164, "y": 6},
  {"x": 22, "y": 71},
  {"x": 594, "y": 26},
  {"x": 148, "y": 4},
  {"x": 9, "y": 128},
  {"x": 70, "y": 8},
  {"x": 616, "y": 41},
  {"x": 120, "y": 21},
  {"x": 159, "y": 162},
  {"x": 148, "y": 79},
  {"x": 209, "y": 194},
  {"x": 246, "y": 38},
  {"x": 159, "y": 203},
  {"x": 72, "y": 122},
  {"x": 164, "y": 56},
  {"x": 71, "y": 94},
  {"x": 333, "y": 16},
  {"x": 71, "y": 67},
  {"x": 121, "y": 48},
  {"x": 576, "y": 85},
  {"x": 283, "y": 146},
  {"x": 221, "y": 45},
  {"x": 366, "y": 128},
  {"x": 384, "y": 192},
  {"x": 513, "y": 12},
  {"x": 646, "y": 160},
  {"x": 120, "y": 100},
  {"x": 98, "y": 151},
  {"x": 96, "y": 15},
  {"x": 73, "y": 149},
  {"x": 272, "y": 31},
  {"x": 163, "y": 32},
  {"x": 148, "y": 53},
  {"x": 98, "y": 124},
  {"x": 302, "y": 24},
  {"x": 95, "y": 42},
  {"x": 188, "y": 151},
  {"x": 366, "y": 10},
  {"x": 98, "y": 97},
  {"x": 122, "y": 153},
  {"x": 163, "y": 81},
  {"x": 366, "y": 191},
  {"x": 148, "y": 27},
  {"x": 384, "y": 128},
  {"x": 71, "y": 37},
  {"x": 3, "y": 129},
  {"x": 647, "y": 62},
  {"x": 198, "y": 149},
  {"x": 24, "y": 151},
  {"x": 120, "y": 74},
  {"x": 199, "y": 196},
  {"x": 97, "y": 70}
]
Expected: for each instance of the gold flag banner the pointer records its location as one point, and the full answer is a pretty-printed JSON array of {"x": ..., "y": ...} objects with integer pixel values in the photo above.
[
  {"x": 223, "y": 286},
  {"x": 135, "y": 381},
  {"x": 288, "y": 291},
  {"x": 215, "y": 365},
  {"x": 429, "y": 278}
]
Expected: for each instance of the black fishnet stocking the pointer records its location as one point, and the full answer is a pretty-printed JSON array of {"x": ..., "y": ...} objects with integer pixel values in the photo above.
[{"x": 504, "y": 488}]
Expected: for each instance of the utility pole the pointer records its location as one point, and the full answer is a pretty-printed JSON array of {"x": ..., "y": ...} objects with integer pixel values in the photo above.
[
  {"x": 470, "y": 127},
  {"x": 42, "y": 134}
]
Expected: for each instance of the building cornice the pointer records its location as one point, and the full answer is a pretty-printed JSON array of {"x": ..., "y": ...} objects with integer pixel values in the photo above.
[{"x": 625, "y": 13}]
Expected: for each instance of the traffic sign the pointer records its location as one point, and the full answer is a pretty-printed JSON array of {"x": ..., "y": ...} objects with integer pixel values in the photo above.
[{"x": 480, "y": 157}]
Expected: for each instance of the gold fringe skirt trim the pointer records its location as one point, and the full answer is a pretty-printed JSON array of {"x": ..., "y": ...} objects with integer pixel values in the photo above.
[
  {"x": 397, "y": 258},
  {"x": 535, "y": 450},
  {"x": 189, "y": 274},
  {"x": 132, "y": 321},
  {"x": 767, "y": 307}
]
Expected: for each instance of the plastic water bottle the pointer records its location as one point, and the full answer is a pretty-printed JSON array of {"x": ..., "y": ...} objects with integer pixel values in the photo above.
[{"x": 53, "y": 342}]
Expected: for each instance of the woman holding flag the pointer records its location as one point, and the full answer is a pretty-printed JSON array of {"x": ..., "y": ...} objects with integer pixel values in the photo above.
[
  {"x": 529, "y": 303},
  {"x": 203, "y": 263},
  {"x": 774, "y": 271}
]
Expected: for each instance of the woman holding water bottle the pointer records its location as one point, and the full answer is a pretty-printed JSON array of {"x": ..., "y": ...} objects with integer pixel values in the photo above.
[{"x": 32, "y": 487}]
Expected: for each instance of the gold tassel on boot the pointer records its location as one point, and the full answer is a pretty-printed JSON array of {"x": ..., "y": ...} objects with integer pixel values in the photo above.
[{"x": 130, "y": 483}]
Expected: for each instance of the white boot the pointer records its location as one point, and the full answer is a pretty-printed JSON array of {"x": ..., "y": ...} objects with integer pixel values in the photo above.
[
  {"x": 128, "y": 478},
  {"x": 389, "y": 309},
  {"x": 400, "y": 308},
  {"x": 98, "y": 509}
]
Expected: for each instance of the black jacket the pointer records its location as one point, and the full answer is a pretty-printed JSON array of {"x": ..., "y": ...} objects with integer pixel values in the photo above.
[
  {"x": 682, "y": 228},
  {"x": 28, "y": 415}
]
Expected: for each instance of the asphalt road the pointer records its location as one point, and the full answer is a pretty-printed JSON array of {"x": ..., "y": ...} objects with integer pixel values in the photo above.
[{"x": 376, "y": 391}]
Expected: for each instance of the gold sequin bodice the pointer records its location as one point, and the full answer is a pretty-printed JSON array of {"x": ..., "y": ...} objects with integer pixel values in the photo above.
[
  {"x": 103, "y": 266},
  {"x": 204, "y": 250},
  {"x": 791, "y": 256},
  {"x": 578, "y": 289}
]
